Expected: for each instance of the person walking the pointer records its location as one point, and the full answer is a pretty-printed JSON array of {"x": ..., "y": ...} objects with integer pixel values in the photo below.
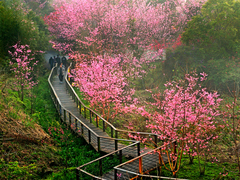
[
  {"x": 58, "y": 60},
  {"x": 54, "y": 61},
  {"x": 51, "y": 62},
  {"x": 64, "y": 61},
  {"x": 61, "y": 73}
]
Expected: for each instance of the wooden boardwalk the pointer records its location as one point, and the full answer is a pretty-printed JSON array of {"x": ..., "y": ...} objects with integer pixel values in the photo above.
[
  {"x": 70, "y": 105},
  {"x": 70, "y": 109}
]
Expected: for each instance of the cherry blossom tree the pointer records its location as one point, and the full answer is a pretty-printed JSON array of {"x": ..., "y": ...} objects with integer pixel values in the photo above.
[
  {"x": 117, "y": 26},
  {"x": 104, "y": 83},
  {"x": 184, "y": 113},
  {"x": 23, "y": 63}
]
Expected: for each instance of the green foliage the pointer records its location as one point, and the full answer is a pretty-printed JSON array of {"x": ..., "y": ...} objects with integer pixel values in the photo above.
[
  {"x": 216, "y": 30},
  {"x": 183, "y": 60},
  {"x": 9, "y": 29},
  {"x": 153, "y": 78},
  {"x": 212, "y": 171},
  {"x": 224, "y": 74},
  {"x": 81, "y": 96},
  {"x": 20, "y": 24},
  {"x": 12, "y": 170},
  {"x": 45, "y": 10}
]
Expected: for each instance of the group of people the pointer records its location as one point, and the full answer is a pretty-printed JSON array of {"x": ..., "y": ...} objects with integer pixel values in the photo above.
[
  {"x": 61, "y": 64},
  {"x": 57, "y": 60}
]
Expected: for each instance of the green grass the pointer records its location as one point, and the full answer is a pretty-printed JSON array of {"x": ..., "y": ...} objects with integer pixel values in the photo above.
[
  {"x": 213, "y": 171},
  {"x": 54, "y": 159},
  {"x": 81, "y": 96}
]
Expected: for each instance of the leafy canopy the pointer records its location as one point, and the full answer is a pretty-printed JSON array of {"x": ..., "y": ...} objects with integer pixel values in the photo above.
[{"x": 216, "y": 29}]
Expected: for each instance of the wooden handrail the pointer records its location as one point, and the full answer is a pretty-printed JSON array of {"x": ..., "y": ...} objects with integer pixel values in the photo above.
[
  {"x": 150, "y": 176},
  {"x": 140, "y": 156},
  {"x": 95, "y": 160}
]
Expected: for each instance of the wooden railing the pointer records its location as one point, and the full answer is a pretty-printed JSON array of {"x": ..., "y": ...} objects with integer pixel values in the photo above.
[
  {"x": 90, "y": 136},
  {"x": 141, "y": 173},
  {"x": 119, "y": 152}
]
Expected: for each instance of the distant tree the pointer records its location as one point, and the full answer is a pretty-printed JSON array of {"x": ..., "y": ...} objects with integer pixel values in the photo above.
[
  {"x": 117, "y": 26},
  {"x": 225, "y": 74},
  {"x": 9, "y": 29},
  {"x": 20, "y": 24},
  {"x": 41, "y": 7},
  {"x": 216, "y": 29}
]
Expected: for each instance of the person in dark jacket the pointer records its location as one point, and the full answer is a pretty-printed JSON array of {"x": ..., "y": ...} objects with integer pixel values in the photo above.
[
  {"x": 51, "y": 62},
  {"x": 58, "y": 60},
  {"x": 61, "y": 71},
  {"x": 64, "y": 61},
  {"x": 54, "y": 61}
]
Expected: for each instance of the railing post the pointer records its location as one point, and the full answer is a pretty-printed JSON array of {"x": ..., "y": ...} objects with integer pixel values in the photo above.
[
  {"x": 89, "y": 136},
  {"x": 69, "y": 120},
  {"x": 76, "y": 125},
  {"x": 115, "y": 174},
  {"x": 98, "y": 141},
  {"x": 97, "y": 120},
  {"x": 60, "y": 110},
  {"x": 55, "y": 101},
  {"x": 66, "y": 87},
  {"x": 111, "y": 132},
  {"x": 85, "y": 113},
  {"x": 64, "y": 115},
  {"x": 140, "y": 165},
  {"x": 138, "y": 149},
  {"x": 77, "y": 174},
  {"x": 80, "y": 108},
  {"x": 120, "y": 156},
  {"x": 155, "y": 141},
  {"x": 103, "y": 126},
  {"x": 100, "y": 167},
  {"x": 90, "y": 114},
  {"x": 116, "y": 134},
  {"x": 116, "y": 141}
]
